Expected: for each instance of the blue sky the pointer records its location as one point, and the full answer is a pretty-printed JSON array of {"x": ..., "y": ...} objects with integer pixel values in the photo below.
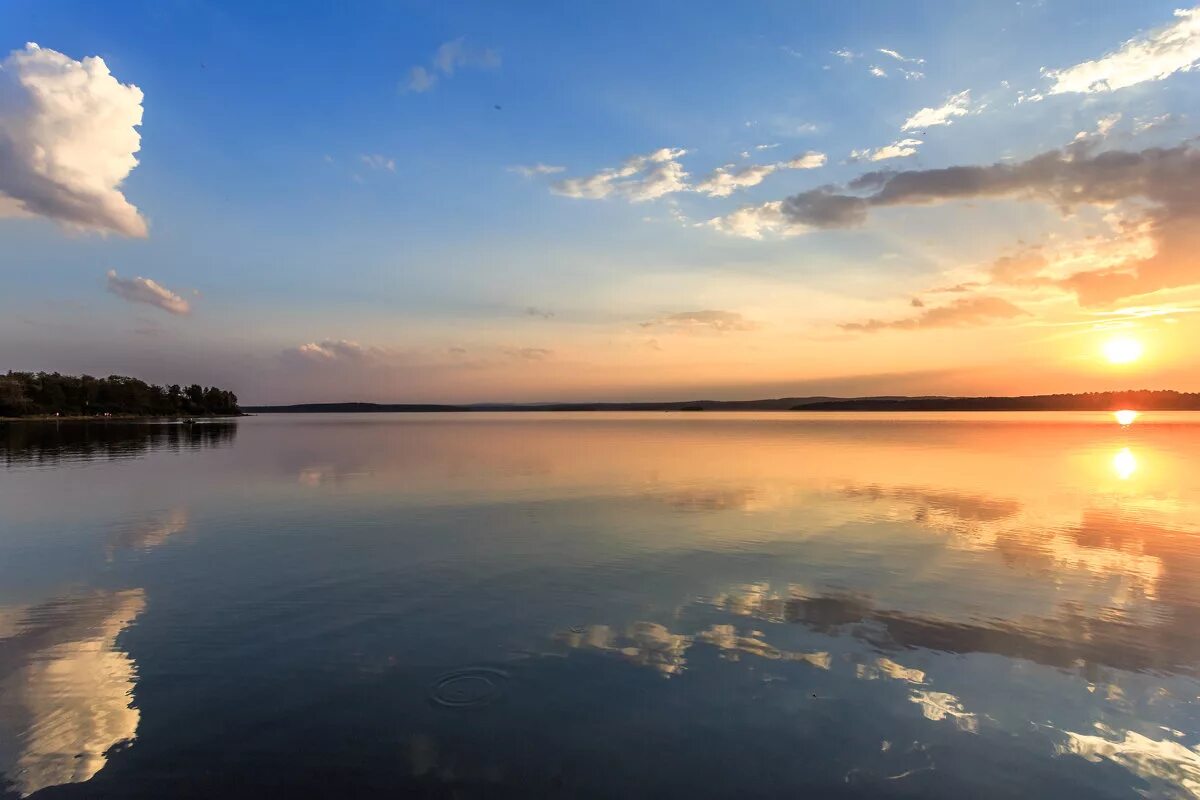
[{"x": 297, "y": 190}]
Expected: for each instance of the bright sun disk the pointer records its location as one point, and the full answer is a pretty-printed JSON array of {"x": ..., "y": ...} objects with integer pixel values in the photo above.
[
  {"x": 1122, "y": 350},
  {"x": 1125, "y": 416}
]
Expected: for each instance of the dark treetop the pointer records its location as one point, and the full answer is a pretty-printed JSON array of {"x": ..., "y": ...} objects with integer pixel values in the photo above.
[{"x": 25, "y": 394}]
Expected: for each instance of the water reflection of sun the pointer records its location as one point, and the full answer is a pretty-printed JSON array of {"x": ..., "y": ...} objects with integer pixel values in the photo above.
[
  {"x": 1125, "y": 416},
  {"x": 1124, "y": 463}
]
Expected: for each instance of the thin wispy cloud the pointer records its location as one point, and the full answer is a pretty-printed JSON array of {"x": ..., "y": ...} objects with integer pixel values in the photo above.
[
  {"x": 724, "y": 181},
  {"x": 148, "y": 292},
  {"x": 68, "y": 139},
  {"x": 534, "y": 170},
  {"x": 450, "y": 57},
  {"x": 709, "y": 320},
  {"x": 378, "y": 162},
  {"x": 957, "y": 105},
  {"x": 1154, "y": 56},
  {"x": 889, "y": 52},
  {"x": 963, "y": 312},
  {"x": 898, "y": 149},
  {"x": 638, "y": 179}
]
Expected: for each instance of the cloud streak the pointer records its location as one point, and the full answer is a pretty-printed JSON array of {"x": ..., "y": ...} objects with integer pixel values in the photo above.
[
  {"x": 450, "y": 57},
  {"x": 957, "y": 105},
  {"x": 707, "y": 320},
  {"x": 68, "y": 135},
  {"x": 724, "y": 181},
  {"x": 962, "y": 312},
  {"x": 144, "y": 290},
  {"x": 1152, "y": 191},
  {"x": 1155, "y": 56},
  {"x": 639, "y": 178}
]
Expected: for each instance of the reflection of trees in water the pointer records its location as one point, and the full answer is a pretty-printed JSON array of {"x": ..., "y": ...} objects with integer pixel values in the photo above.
[
  {"x": 65, "y": 687},
  {"x": 49, "y": 443}
]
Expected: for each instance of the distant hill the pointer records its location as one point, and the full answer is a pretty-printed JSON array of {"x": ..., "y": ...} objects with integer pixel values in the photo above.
[
  {"x": 1141, "y": 400},
  {"x": 1092, "y": 401},
  {"x": 776, "y": 404}
]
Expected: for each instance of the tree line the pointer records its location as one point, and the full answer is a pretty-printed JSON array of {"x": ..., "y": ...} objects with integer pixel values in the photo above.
[{"x": 25, "y": 394}]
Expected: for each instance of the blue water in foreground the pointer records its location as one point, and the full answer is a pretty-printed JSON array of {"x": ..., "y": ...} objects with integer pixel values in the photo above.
[{"x": 602, "y": 605}]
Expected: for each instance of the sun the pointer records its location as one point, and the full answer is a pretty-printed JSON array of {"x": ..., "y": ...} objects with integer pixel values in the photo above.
[{"x": 1122, "y": 350}]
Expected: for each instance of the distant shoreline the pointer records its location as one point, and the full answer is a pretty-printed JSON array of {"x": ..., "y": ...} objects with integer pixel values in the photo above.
[
  {"x": 118, "y": 418},
  {"x": 1140, "y": 400}
]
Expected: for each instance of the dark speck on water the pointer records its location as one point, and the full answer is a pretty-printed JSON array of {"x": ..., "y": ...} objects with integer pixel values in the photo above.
[{"x": 602, "y": 605}]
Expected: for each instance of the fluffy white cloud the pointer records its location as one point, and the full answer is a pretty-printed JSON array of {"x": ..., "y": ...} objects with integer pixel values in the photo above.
[
  {"x": 957, "y": 105},
  {"x": 877, "y": 72},
  {"x": 67, "y": 141},
  {"x": 1152, "y": 57},
  {"x": 144, "y": 290},
  {"x": 640, "y": 178},
  {"x": 899, "y": 149},
  {"x": 724, "y": 181},
  {"x": 449, "y": 58},
  {"x": 533, "y": 170},
  {"x": 751, "y": 222}
]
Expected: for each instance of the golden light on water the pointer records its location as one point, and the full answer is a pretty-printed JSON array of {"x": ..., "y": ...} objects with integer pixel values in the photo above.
[
  {"x": 1122, "y": 350},
  {"x": 1125, "y": 416},
  {"x": 1124, "y": 463}
]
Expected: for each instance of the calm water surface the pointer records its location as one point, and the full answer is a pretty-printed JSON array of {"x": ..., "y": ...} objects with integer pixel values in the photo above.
[{"x": 602, "y": 605}]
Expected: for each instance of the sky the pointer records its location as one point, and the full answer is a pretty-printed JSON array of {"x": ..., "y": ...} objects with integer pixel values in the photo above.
[{"x": 473, "y": 201}]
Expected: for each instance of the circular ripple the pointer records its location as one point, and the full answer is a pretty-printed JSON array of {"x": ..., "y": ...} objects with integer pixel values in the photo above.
[{"x": 468, "y": 688}]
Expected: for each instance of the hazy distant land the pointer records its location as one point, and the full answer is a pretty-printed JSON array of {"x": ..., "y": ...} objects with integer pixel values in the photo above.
[{"x": 1142, "y": 400}]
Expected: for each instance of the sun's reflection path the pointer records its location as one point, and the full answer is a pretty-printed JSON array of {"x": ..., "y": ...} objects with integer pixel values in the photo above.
[{"x": 1124, "y": 463}]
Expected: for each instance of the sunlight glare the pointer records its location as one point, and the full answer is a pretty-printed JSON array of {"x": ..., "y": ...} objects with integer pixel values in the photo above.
[
  {"x": 1125, "y": 416},
  {"x": 1124, "y": 463},
  {"x": 1122, "y": 350}
]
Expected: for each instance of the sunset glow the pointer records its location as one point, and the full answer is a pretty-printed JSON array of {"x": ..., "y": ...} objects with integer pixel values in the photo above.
[{"x": 1122, "y": 350}]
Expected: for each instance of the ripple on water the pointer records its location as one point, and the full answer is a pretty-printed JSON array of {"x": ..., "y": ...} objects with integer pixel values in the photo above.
[{"x": 469, "y": 687}]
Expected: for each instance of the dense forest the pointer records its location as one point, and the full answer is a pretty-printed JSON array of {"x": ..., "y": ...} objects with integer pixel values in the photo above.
[{"x": 24, "y": 394}]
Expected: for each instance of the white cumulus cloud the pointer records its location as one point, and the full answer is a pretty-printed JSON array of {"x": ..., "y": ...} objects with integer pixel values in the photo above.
[
  {"x": 145, "y": 290},
  {"x": 1152, "y": 57},
  {"x": 450, "y": 57},
  {"x": 957, "y": 105},
  {"x": 640, "y": 178},
  {"x": 533, "y": 170},
  {"x": 67, "y": 141}
]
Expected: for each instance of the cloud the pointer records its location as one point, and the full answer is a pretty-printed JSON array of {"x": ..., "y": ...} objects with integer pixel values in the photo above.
[
  {"x": 878, "y": 72},
  {"x": 379, "y": 162},
  {"x": 450, "y": 57},
  {"x": 962, "y": 312},
  {"x": 144, "y": 290},
  {"x": 1151, "y": 193},
  {"x": 707, "y": 320},
  {"x": 640, "y": 178},
  {"x": 957, "y": 105},
  {"x": 845, "y": 55},
  {"x": 534, "y": 311},
  {"x": 1152, "y": 57},
  {"x": 533, "y": 170},
  {"x": 527, "y": 353},
  {"x": 899, "y": 57},
  {"x": 724, "y": 181},
  {"x": 766, "y": 146},
  {"x": 67, "y": 141},
  {"x": 898, "y": 149},
  {"x": 329, "y": 351}
]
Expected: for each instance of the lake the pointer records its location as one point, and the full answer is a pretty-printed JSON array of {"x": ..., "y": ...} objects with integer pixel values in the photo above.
[{"x": 602, "y": 605}]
